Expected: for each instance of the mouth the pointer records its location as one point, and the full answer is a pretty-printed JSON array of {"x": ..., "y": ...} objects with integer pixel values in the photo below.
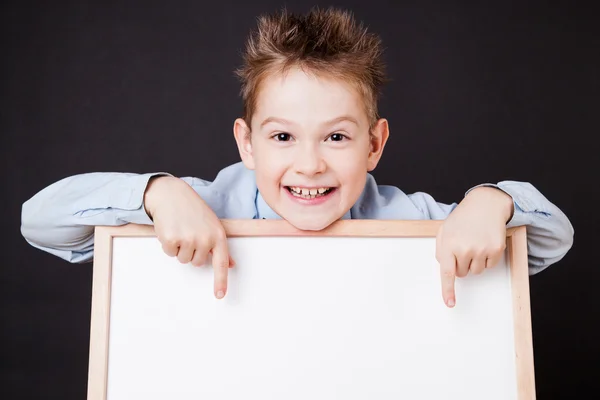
[{"x": 309, "y": 193}]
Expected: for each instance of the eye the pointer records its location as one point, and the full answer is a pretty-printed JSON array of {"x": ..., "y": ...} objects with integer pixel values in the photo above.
[
  {"x": 282, "y": 137},
  {"x": 337, "y": 137}
]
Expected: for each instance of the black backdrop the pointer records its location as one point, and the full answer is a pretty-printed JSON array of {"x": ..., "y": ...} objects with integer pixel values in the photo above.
[{"x": 478, "y": 93}]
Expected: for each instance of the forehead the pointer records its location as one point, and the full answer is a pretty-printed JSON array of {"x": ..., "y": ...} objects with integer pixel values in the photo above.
[{"x": 307, "y": 97}]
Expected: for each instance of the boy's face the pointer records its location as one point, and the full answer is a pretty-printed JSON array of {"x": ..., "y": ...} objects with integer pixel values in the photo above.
[{"x": 310, "y": 147}]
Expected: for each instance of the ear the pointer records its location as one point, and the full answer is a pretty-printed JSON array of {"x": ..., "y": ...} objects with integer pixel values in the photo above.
[
  {"x": 378, "y": 138},
  {"x": 242, "y": 134}
]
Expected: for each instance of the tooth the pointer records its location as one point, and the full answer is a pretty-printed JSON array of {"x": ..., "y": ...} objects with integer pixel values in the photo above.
[
  {"x": 313, "y": 192},
  {"x": 305, "y": 191},
  {"x": 322, "y": 190}
]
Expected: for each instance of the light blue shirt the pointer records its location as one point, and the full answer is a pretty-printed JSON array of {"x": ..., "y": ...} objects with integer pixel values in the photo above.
[{"x": 60, "y": 219}]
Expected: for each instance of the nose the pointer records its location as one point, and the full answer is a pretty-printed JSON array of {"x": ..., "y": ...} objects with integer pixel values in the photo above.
[{"x": 308, "y": 160}]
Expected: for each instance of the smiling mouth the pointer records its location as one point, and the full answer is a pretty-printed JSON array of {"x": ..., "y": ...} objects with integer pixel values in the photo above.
[{"x": 308, "y": 194}]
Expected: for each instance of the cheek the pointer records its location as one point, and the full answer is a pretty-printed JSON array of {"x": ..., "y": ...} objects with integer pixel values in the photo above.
[
  {"x": 351, "y": 171},
  {"x": 355, "y": 182},
  {"x": 269, "y": 169},
  {"x": 272, "y": 167},
  {"x": 351, "y": 163}
]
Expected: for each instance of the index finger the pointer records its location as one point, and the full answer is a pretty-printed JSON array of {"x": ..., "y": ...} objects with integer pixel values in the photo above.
[
  {"x": 448, "y": 276},
  {"x": 220, "y": 262}
]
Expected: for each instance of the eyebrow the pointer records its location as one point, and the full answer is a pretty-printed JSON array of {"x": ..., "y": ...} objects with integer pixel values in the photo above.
[{"x": 327, "y": 123}]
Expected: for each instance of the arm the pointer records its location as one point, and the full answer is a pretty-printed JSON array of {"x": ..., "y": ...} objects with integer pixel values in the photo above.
[
  {"x": 549, "y": 231},
  {"x": 60, "y": 219}
]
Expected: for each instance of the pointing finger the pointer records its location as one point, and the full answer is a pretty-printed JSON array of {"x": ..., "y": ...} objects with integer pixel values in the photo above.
[
  {"x": 220, "y": 261},
  {"x": 448, "y": 276}
]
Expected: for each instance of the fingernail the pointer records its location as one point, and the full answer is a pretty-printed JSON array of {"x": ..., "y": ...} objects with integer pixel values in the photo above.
[
  {"x": 451, "y": 303},
  {"x": 220, "y": 294}
]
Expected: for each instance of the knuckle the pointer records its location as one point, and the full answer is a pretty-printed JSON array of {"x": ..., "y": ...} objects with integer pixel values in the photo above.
[
  {"x": 447, "y": 273},
  {"x": 221, "y": 263},
  {"x": 461, "y": 250},
  {"x": 497, "y": 245},
  {"x": 220, "y": 234},
  {"x": 499, "y": 248},
  {"x": 204, "y": 242},
  {"x": 170, "y": 250},
  {"x": 199, "y": 259},
  {"x": 478, "y": 252},
  {"x": 187, "y": 240},
  {"x": 169, "y": 241}
]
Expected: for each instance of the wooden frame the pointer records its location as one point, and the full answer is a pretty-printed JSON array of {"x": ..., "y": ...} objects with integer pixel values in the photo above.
[{"x": 516, "y": 247}]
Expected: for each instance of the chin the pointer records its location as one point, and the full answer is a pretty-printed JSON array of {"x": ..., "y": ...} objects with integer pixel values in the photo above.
[{"x": 305, "y": 224}]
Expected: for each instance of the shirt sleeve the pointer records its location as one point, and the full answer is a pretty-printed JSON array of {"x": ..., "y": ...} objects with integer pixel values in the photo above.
[
  {"x": 60, "y": 219},
  {"x": 549, "y": 231}
]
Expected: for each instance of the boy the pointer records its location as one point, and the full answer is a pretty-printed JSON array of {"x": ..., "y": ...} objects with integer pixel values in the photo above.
[{"x": 309, "y": 135}]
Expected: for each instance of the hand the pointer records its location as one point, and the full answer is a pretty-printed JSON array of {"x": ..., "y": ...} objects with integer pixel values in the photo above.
[
  {"x": 473, "y": 237},
  {"x": 187, "y": 228}
]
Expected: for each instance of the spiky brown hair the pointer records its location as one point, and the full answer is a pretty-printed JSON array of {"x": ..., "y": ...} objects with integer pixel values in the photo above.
[{"x": 323, "y": 42}]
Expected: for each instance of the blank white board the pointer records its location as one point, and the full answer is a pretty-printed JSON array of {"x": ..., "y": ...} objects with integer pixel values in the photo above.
[{"x": 353, "y": 312}]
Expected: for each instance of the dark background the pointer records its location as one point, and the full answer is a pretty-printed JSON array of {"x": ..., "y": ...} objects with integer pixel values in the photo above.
[{"x": 503, "y": 90}]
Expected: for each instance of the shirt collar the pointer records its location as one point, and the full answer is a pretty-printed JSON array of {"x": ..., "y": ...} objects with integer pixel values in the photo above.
[{"x": 265, "y": 212}]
